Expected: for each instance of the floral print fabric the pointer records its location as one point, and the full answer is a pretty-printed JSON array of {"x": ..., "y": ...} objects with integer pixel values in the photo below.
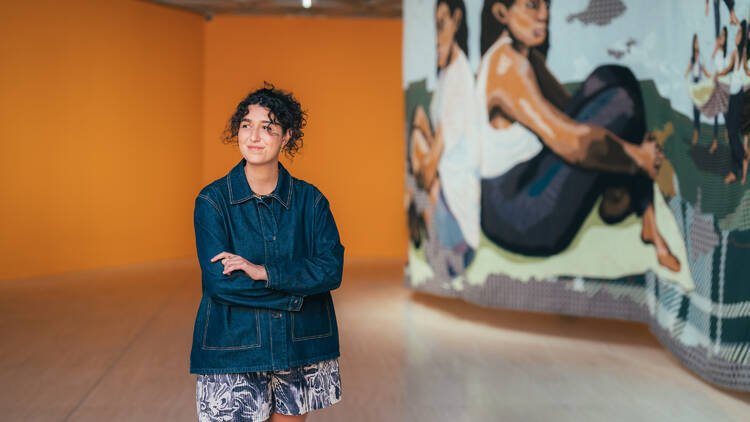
[{"x": 252, "y": 396}]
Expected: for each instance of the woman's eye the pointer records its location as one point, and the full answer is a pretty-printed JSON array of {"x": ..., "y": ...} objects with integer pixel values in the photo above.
[
  {"x": 532, "y": 4},
  {"x": 244, "y": 126}
]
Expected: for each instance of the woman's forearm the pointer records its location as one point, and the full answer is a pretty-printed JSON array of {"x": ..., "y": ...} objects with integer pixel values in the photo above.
[
  {"x": 729, "y": 67},
  {"x": 605, "y": 151}
]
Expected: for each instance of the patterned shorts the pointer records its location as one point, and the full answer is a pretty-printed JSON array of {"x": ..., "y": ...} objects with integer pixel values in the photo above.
[{"x": 252, "y": 396}]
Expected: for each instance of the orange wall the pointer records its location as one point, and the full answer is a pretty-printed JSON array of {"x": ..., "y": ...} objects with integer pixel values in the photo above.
[
  {"x": 347, "y": 74},
  {"x": 100, "y": 134},
  {"x": 110, "y": 116}
]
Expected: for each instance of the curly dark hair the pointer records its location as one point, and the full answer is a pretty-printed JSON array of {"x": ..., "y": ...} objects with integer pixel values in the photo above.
[{"x": 283, "y": 110}]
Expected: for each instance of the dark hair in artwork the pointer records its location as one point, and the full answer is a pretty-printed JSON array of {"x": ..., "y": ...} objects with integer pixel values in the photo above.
[
  {"x": 692, "y": 49},
  {"x": 724, "y": 45},
  {"x": 283, "y": 110},
  {"x": 492, "y": 28},
  {"x": 462, "y": 33},
  {"x": 743, "y": 41}
]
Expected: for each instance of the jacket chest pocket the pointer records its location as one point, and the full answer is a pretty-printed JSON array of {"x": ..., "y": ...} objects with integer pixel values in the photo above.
[
  {"x": 230, "y": 327},
  {"x": 313, "y": 320}
]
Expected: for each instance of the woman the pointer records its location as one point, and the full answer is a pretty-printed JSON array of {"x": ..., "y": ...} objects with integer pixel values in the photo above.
[
  {"x": 543, "y": 168},
  {"x": 696, "y": 70},
  {"x": 443, "y": 147},
  {"x": 265, "y": 342},
  {"x": 745, "y": 122},
  {"x": 734, "y": 113},
  {"x": 721, "y": 92}
]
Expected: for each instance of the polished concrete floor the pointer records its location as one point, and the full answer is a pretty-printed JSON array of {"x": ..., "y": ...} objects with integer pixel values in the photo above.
[{"x": 113, "y": 345}]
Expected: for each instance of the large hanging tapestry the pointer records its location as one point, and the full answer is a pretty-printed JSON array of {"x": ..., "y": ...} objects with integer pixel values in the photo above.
[{"x": 586, "y": 157}]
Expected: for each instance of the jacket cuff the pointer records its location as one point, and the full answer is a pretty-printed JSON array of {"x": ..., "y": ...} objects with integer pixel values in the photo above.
[
  {"x": 272, "y": 276},
  {"x": 295, "y": 303}
]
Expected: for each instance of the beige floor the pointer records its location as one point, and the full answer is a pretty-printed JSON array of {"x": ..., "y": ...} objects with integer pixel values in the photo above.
[{"x": 113, "y": 345}]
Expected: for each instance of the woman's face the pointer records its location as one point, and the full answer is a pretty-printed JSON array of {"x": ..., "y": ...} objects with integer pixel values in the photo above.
[
  {"x": 447, "y": 25},
  {"x": 525, "y": 19},
  {"x": 259, "y": 140}
]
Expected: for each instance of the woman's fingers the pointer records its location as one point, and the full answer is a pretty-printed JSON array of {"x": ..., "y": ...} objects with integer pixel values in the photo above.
[
  {"x": 228, "y": 261},
  {"x": 234, "y": 263},
  {"x": 231, "y": 262},
  {"x": 221, "y": 256},
  {"x": 232, "y": 267}
]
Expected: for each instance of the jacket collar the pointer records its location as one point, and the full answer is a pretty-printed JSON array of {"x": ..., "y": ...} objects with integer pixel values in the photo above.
[{"x": 240, "y": 191}]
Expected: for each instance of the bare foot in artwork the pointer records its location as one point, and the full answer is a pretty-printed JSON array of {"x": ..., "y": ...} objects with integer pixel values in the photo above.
[
  {"x": 650, "y": 234},
  {"x": 744, "y": 169},
  {"x": 731, "y": 177},
  {"x": 695, "y": 137},
  {"x": 713, "y": 146}
]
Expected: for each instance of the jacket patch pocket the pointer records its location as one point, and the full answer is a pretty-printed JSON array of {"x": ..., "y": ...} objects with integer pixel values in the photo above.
[
  {"x": 230, "y": 327},
  {"x": 313, "y": 320}
]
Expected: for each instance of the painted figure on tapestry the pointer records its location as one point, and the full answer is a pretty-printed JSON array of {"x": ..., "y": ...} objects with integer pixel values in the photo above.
[
  {"x": 695, "y": 71},
  {"x": 547, "y": 157},
  {"x": 719, "y": 57},
  {"x": 443, "y": 141},
  {"x": 736, "y": 124},
  {"x": 709, "y": 95}
]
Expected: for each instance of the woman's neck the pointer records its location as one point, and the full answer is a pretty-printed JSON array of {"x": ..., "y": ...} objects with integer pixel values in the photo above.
[
  {"x": 262, "y": 178},
  {"x": 518, "y": 46},
  {"x": 455, "y": 49}
]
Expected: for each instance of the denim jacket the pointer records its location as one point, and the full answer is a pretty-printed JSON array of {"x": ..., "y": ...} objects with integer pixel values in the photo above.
[{"x": 246, "y": 325}]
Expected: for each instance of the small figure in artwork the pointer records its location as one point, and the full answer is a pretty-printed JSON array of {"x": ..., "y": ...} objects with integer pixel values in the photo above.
[
  {"x": 734, "y": 115},
  {"x": 709, "y": 95},
  {"x": 732, "y": 16},
  {"x": 719, "y": 57},
  {"x": 696, "y": 71}
]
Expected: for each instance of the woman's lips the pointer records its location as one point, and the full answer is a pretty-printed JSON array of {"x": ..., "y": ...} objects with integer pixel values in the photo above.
[{"x": 540, "y": 32}]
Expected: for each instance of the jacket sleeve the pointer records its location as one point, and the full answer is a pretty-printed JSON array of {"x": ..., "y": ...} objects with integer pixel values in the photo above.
[
  {"x": 236, "y": 288},
  {"x": 320, "y": 272}
]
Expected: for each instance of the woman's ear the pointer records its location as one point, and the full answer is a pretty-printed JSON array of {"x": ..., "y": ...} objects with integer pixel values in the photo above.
[
  {"x": 457, "y": 16},
  {"x": 285, "y": 138},
  {"x": 500, "y": 12}
]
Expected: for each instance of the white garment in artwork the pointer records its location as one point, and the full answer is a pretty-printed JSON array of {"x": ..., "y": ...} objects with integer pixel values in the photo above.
[
  {"x": 697, "y": 69},
  {"x": 720, "y": 62},
  {"x": 452, "y": 107},
  {"x": 501, "y": 148}
]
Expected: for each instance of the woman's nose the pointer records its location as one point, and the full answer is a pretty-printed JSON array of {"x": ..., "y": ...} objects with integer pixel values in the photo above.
[
  {"x": 255, "y": 134},
  {"x": 543, "y": 12}
]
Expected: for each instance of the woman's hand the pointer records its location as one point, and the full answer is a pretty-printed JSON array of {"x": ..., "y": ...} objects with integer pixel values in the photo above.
[
  {"x": 234, "y": 262},
  {"x": 649, "y": 155}
]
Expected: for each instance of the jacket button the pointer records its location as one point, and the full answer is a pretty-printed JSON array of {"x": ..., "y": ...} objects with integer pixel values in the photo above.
[
  {"x": 277, "y": 314},
  {"x": 274, "y": 238}
]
